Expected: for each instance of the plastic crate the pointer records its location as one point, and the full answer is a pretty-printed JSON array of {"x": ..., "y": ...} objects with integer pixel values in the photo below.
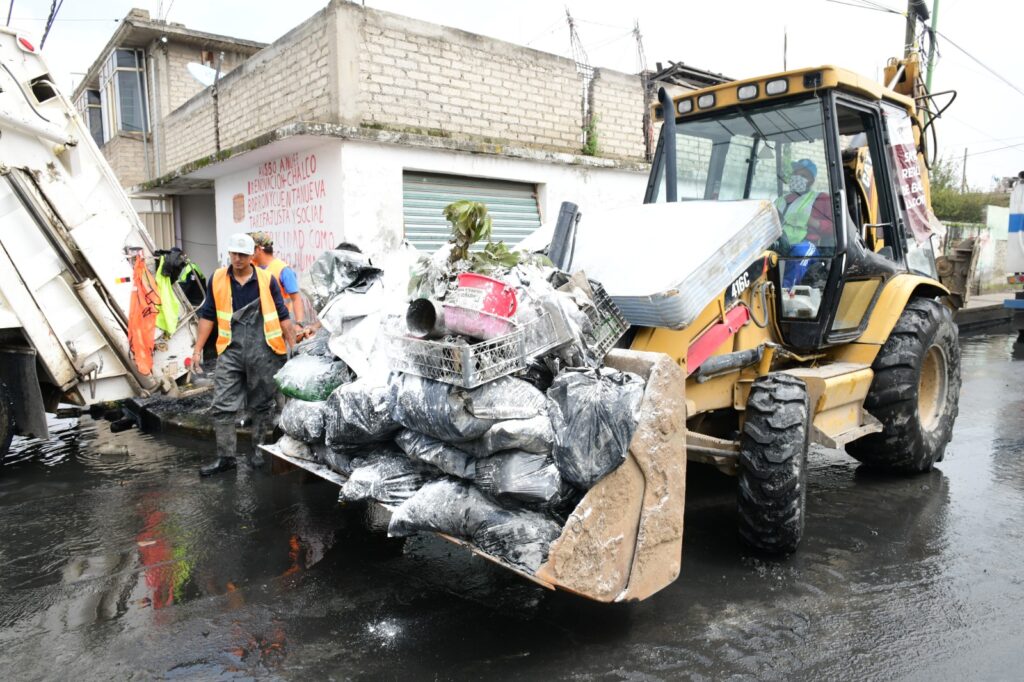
[
  {"x": 608, "y": 324},
  {"x": 471, "y": 364}
]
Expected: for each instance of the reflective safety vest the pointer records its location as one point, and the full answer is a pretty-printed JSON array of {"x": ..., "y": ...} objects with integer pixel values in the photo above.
[
  {"x": 795, "y": 216},
  {"x": 222, "y": 302},
  {"x": 275, "y": 268}
]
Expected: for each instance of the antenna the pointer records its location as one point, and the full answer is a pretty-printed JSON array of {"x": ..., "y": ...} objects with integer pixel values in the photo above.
[
  {"x": 202, "y": 73},
  {"x": 585, "y": 70},
  {"x": 645, "y": 86}
]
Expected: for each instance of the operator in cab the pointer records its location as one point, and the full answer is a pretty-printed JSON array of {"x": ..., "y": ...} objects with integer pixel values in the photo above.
[
  {"x": 245, "y": 305},
  {"x": 806, "y": 215}
]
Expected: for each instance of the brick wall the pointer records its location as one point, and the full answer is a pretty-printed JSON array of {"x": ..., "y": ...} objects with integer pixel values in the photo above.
[
  {"x": 285, "y": 82},
  {"x": 617, "y": 101},
  {"x": 188, "y": 133},
  {"x": 357, "y": 66},
  {"x": 127, "y": 158},
  {"x": 421, "y": 75}
]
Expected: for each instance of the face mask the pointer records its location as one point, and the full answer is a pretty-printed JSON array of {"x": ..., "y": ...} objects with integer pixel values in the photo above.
[{"x": 799, "y": 183}]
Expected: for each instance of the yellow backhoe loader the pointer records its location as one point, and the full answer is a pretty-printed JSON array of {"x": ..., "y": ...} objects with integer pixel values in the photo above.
[
  {"x": 823, "y": 323},
  {"x": 839, "y": 334}
]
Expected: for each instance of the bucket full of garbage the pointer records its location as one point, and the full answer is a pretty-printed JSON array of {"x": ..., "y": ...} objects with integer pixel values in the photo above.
[{"x": 532, "y": 442}]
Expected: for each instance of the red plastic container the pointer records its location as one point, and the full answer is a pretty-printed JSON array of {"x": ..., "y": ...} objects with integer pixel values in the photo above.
[{"x": 486, "y": 295}]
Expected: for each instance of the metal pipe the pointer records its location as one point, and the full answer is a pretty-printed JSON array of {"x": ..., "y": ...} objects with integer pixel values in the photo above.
[
  {"x": 144, "y": 108},
  {"x": 728, "y": 362},
  {"x": 668, "y": 131}
]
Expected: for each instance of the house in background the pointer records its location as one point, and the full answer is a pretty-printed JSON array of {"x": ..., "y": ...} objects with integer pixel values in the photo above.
[
  {"x": 140, "y": 77},
  {"x": 359, "y": 125}
]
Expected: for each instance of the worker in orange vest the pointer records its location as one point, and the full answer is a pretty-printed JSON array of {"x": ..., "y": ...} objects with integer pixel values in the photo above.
[
  {"x": 254, "y": 331},
  {"x": 285, "y": 275}
]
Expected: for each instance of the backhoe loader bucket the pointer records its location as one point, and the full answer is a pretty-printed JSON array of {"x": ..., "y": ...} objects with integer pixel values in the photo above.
[{"x": 624, "y": 540}]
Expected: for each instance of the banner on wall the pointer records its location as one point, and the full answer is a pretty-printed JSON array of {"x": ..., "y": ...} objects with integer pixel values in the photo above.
[{"x": 286, "y": 197}]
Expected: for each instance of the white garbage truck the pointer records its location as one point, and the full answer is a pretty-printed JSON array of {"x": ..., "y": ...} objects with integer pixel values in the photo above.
[{"x": 69, "y": 237}]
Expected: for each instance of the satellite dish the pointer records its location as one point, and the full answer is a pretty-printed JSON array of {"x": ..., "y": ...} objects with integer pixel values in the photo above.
[{"x": 204, "y": 74}]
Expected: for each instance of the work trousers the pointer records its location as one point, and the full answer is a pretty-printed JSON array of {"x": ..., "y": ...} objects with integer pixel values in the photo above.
[{"x": 244, "y": 379}]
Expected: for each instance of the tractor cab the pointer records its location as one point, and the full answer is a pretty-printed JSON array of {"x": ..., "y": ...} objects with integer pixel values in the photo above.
[{"x": 836, "y": 155}]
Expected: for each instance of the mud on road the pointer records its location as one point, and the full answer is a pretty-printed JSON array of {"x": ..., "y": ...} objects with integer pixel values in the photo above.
[{"x": 131, "y": 567}]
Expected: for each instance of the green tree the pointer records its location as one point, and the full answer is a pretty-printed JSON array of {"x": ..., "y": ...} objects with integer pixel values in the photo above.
[{"x": 952, "y": 205}]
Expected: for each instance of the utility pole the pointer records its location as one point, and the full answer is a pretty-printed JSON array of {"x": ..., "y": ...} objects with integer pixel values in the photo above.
[
  {"x": 931, "y": 45},
  {"x": 963, "y": 174},
  {"x": 915, "y": 10}
]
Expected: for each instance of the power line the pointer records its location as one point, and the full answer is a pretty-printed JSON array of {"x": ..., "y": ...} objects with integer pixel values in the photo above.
[
  {"x": 979, "y": 62},
  {"x": 866, "y": 5},
  {"x": 548, "y": 31},
  {"x": 1019, "y": 145},
  {"x": 54, "y": 9}
]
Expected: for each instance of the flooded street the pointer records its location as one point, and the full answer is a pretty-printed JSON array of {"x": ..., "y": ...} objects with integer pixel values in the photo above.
[{"x": 129, "y": 566}]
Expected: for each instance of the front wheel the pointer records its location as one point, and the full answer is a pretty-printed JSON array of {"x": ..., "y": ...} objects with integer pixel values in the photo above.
[
  {"x": 772, "y": 468},
  {"x": 915, "y": 391}
]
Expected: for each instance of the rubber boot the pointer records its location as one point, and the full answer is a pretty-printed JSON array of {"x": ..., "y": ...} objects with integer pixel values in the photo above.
[
  {"x": 227, "y": 442},
  {"x": 259, "y": 435}
]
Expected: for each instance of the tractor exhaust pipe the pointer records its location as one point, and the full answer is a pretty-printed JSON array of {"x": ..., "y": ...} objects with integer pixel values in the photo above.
[
  {"x": 563, "y": 242},
  {"x": 668, "y": 132}
]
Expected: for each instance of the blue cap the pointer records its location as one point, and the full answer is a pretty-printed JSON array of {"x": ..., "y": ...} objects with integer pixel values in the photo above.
[{"x": 807, "y": 165}]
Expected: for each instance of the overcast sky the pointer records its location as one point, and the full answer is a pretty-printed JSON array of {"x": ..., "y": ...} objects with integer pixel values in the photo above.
[{"x": 738, "y": 38}]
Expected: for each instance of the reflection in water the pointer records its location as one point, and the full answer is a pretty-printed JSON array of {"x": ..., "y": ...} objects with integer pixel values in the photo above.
[
  {"x": 132, "y": 540},
  {"x": 133, "y": 566}
]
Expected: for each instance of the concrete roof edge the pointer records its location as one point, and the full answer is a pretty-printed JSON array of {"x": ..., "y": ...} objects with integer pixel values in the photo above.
[{"x": 385, "y": 135}]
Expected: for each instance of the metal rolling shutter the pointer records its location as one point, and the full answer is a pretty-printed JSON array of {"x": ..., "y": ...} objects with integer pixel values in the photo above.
[{"x": 511, "y": 205}]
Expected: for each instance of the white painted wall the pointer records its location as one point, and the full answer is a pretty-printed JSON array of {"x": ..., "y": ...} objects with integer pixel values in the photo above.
[
  {"x": 296, "y": 197},
  {"x": 358, "y": 194},
  {"x": 371, "y": 174}
]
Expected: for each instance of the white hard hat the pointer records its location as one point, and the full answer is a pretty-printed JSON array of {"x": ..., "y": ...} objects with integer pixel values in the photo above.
[{"x": 240, "y": 242}]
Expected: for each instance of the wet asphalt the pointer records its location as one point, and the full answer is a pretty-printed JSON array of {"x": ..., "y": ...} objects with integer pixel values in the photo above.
[{"x": 131, "y": 567}]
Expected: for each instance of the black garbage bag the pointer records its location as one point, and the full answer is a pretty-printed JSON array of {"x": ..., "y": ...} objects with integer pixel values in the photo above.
[
  {"x": 523, "y": 476},
  {"x": 594, "y": 414},
  {"x": 455, "y": 414},
  {"x": 520, "y": 537},
  {"x": 317, "y": 344},
  {"x": 532, "y": 435},
  {"x": 293, "y": 447},
  {"x": 335, "y": 271},
  {"x": 337, "y": 461},
  {"x": 303, "y": 420},
  {"x": 458, "y": 509},
  {"x": 447, "y": 458},
  {"x": 312, "y": 377},
  {"x": 359, "y": 413},
  {"x": 389, "y": 479}
]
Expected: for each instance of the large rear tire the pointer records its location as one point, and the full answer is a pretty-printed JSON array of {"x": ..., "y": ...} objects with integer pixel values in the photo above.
[
  {"x": 915, "y": 391},
  {"x": 772, "y": 468},
  {"x": 6, "y": 420}
]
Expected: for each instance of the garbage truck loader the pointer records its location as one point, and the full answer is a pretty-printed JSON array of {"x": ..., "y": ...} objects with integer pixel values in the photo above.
[
  {"x": 781, "y": 286},
  {"x": 68, "y": 239}
]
